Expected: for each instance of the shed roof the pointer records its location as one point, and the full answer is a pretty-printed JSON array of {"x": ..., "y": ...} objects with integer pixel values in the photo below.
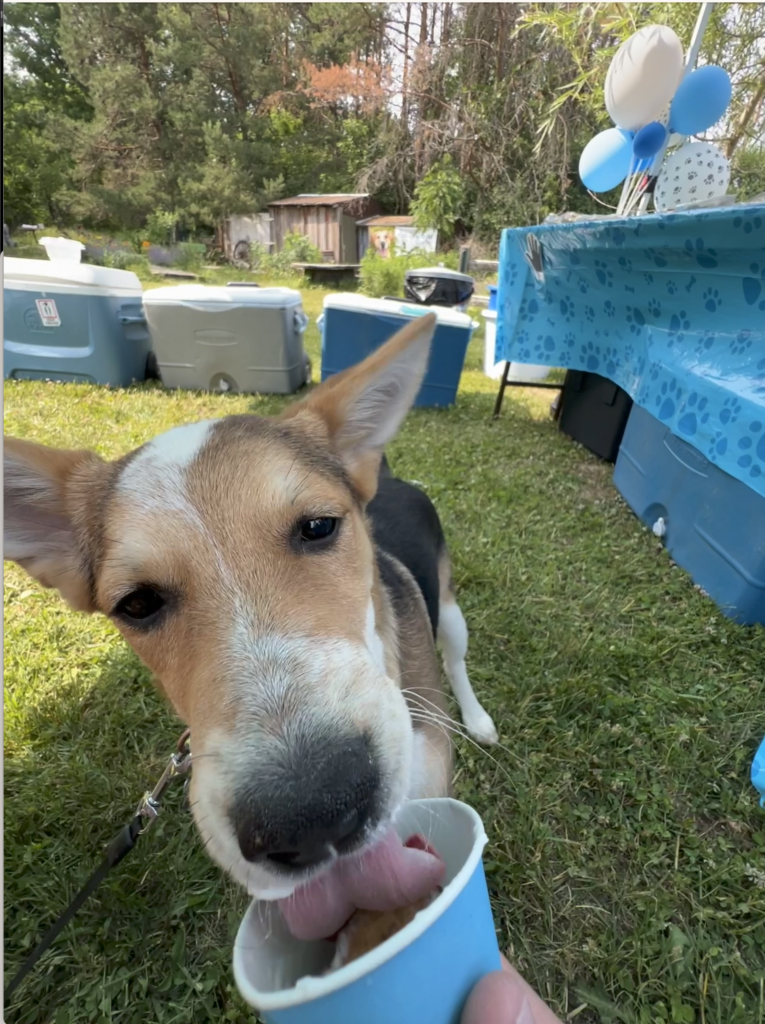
[
  {"x": 314, "y": 199},
  {"x": 385, "y": 221}
]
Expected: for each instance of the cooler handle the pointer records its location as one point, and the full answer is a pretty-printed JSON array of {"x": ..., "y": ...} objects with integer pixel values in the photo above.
[
  {"x": 301, "y": 321},
  {"x": 125, "y": 319},
  {"x": 320, "y": 321}
]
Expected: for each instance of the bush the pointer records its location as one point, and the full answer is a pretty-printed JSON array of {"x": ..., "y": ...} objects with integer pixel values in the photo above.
[
  {"x": 121, "y": 259},
  {"x": 190, "y": 256},
  {"x": 380, "y": 277},
  {"x": 160, "y": 227},
  {"x": 296, "y": 249},
  {"x": 439, "y": 199}
]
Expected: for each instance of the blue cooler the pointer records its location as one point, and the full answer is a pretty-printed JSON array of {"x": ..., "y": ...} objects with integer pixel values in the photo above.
[
  {"x": 712, "y": 524},
  {"x": 492, "y": 290},
  {"x": 70, "y": 321},
  {"x": 353, "y": 326}
]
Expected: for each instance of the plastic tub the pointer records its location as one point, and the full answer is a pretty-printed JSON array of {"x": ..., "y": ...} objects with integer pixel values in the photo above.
[
  {"x": 758, "y": 772},
  {"x": 710, "y": 522},
  {"x": 238, "y": 339},
  {"x": 69, "y": 321},
  {"x": 353, "y": 326},
  {"x": 518, "y": 371},
  {"x": 63, "y": 249}
]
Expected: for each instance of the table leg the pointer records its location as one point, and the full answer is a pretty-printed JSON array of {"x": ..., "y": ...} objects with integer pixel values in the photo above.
[{"x": 501, "y": 395}]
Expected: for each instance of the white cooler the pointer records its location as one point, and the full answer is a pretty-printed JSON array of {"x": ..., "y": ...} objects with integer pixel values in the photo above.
[
  {"x": 518, "y": 371},
  {"x": 230, "y": 338}
]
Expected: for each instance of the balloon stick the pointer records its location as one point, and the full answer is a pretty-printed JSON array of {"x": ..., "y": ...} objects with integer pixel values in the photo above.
[{"x": 690, "y": 62}]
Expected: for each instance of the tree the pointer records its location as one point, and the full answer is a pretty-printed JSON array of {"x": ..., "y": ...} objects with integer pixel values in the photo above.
[
  {"x": 439, "y": 199},
  {"x": 475, "y": 112},
  {"x": 39, "y": 91}
]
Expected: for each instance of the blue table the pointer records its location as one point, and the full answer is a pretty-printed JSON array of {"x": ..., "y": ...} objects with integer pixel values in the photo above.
[{"x": 670, "y": 307}]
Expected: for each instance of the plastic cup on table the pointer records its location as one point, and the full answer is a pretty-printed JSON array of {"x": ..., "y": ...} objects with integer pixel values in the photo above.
[{"x": 421, "y": 975}]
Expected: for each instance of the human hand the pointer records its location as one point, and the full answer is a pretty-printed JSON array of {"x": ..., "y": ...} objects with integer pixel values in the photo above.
[{"x": 505, "y": 998}]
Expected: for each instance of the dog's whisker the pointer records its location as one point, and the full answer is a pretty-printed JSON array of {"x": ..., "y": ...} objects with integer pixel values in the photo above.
[
  {"x": 450, "y": 726},
  {"x": 435, "y": 710}
]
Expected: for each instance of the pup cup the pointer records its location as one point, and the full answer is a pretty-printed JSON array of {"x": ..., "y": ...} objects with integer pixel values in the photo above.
[{"x": 423, "y": 973}]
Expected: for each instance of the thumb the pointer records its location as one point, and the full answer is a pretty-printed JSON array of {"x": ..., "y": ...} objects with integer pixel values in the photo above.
[{"x": 505, "y": 998}]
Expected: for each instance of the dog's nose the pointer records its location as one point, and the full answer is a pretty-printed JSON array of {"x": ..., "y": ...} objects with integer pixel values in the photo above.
[{"x": 320, "y": 801}]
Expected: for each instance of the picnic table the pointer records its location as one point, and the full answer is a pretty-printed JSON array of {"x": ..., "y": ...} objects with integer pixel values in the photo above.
[{"x": 670, "y": 307}]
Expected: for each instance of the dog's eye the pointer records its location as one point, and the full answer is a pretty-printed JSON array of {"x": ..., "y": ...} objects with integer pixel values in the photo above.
[
  {"x": 140, "y": 605},
  {"x": 312, "y": 530}
]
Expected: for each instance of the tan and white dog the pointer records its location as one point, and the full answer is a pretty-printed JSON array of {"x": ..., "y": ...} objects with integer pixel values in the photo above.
[{"x": 287, "y": 592}]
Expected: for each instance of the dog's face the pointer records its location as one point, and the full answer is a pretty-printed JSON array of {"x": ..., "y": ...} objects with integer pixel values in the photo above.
[
  {"x": 235, "y": 558},
  {"x": 381, "y": 240}
]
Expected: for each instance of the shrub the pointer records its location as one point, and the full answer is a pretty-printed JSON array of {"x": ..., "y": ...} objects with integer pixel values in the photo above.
[
  {"x": 439, "y": 199},
  {"x": 121, "y": 259},
  {"x": 160, "y": 227},
  {"x": 380, "y": 277},
  {"x": 190, "y": 256},
  {"x": 297, "y": 248}
]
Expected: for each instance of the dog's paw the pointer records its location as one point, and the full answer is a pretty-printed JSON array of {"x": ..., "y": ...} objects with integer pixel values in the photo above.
[{"x": 481, "y": 727}]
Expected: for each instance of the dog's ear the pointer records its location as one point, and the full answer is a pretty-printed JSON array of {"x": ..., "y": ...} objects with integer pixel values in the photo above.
[
  {"x": 364, "y": 406},
  {"x": 45, "y": 492}
]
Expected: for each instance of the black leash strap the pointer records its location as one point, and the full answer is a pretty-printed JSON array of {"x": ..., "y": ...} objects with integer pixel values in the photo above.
[
  {"x": 147, "y": 812},
  {"x": 119, "y": 847}
]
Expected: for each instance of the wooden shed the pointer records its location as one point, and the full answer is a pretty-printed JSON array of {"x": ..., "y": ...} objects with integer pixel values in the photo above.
[{"x": 328, "y": 220}]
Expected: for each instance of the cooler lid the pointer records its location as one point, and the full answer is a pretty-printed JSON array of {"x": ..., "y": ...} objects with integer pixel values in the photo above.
[
  {"x": 46, "y": 275},
  {"x": 353, "y": 302},
  {"x": 222, "y": 297},
  {"x": 442, "y": 273}
]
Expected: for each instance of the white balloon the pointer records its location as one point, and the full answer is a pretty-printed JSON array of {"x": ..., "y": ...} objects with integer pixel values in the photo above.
[
  {"x": 643, "y": 76},
  {"x": 694, "y": 173}
]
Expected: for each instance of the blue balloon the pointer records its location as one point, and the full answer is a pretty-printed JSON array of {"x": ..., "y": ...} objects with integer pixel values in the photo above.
[
  {"x": 649, "y": 140},
  {"x": 606, "y": 160},
  {"x": 700, "y": 101}
]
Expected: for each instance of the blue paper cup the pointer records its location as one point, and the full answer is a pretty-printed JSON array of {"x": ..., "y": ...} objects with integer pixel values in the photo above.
[{"x": 421, "y": 975}]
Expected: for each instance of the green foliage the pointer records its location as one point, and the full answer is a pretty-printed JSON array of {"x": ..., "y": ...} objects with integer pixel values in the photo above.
[
  {"x": 380, "y": 277},
  {"x": 191, "y": 256},
  {"x": 439, "y": 199},
  {"x": 121, "y": 117},
  {"x": 160, "y": 227},
  {"x": 39, "y": 92},
  {"x": 297, "y": 248},
  {"x": 122, "y": 259},
  {"x": 748, "y": 172},
  {"x": 224, "y": 183}
]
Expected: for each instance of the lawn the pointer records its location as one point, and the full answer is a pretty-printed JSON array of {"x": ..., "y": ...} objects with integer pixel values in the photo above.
[{"x": 627, "y": 853}]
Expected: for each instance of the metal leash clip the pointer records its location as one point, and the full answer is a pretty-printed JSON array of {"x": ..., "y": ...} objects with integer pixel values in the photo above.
[{"x": 178, "y": 767}]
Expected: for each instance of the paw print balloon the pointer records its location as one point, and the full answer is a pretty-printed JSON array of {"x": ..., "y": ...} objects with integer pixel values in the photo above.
[{"x": 694, "y": 173}]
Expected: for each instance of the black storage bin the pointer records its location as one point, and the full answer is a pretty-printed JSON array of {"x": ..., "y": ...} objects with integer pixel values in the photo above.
[
  {"x": 594, "y": 412},
  {"x": 437, "y": 286}
]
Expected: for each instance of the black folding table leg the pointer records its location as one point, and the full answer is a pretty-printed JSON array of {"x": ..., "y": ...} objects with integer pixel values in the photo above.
[{"x": 501, "y": 395}]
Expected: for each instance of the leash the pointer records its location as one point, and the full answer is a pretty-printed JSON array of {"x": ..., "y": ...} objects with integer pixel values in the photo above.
[{"x": 145, "y": 815}]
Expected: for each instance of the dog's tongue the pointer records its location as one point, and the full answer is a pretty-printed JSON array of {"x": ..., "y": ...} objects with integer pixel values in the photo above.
[{"x": 387, "y": 876}]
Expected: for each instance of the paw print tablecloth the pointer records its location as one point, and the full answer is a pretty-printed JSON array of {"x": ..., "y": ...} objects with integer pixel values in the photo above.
[{"x": 671, "y": 307}]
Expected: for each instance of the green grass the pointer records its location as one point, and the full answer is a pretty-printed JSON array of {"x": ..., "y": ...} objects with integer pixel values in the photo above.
[{"x": 627, "y": 854}]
